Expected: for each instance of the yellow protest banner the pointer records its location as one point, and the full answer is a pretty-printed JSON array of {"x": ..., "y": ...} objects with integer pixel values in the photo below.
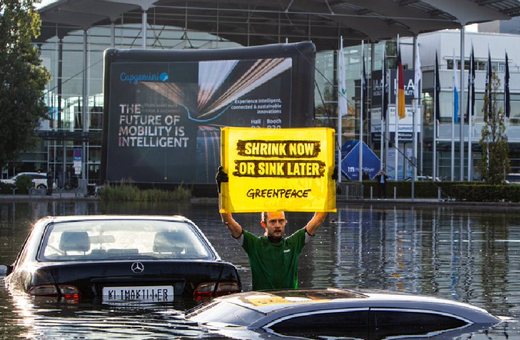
[{"x": 278, "y": 170}]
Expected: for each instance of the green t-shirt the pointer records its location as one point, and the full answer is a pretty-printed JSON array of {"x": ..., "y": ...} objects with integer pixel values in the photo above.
[{"x": 274, "y": 265}]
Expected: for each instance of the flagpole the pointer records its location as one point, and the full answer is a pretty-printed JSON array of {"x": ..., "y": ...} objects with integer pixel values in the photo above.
[
  {"x": 461, "y": 105},
  {"x": 360, "y": 149},
  {"x": 434, "y": 163},
  {"x": 417, "y": 95},
  {"x": 396, "y": 135},
  {"x": 397, "y": 108},
  {"x": 471, "y": 84},
  {"x": 507, "y": 95},
  {"x": 382, "y": 116},
  {"x": 396, "y": 127},
  {"x": 340, "y": 67},
  {"x": 388, "y": 92},
  {"x": 487, "y": 114},
  {"x": 383, "y": 111},
  {"x": 388, "y": 87},
  {"x": 342, "y": 103},
  {"x": 435, "y": 108},
  {"x": 453, "y": 122},
  {"x": 470, "y": 142}
]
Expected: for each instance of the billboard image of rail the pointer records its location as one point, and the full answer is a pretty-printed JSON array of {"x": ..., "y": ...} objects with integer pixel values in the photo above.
[{"x": 163, "y": 109}]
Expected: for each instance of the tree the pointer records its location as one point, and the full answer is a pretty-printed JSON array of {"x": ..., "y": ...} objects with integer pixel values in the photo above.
[
  {"x": 326, "y": 109},
  {"x": 494, "y": 165},
  {"x": 22, "y": 79}
]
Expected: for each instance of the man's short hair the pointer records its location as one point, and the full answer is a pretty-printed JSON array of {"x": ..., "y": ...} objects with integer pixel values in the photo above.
[{"x": 263, "y": 216}]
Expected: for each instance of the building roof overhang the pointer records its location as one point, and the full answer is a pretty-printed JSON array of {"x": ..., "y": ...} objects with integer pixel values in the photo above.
[{"x": 252, "y": 23}]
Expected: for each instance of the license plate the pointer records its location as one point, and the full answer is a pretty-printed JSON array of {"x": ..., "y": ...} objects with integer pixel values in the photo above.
[{"x": 138, "y": 294}]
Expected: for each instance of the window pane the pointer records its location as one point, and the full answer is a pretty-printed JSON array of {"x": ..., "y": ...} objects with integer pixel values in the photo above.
[
  {"x": 395, "y": 322},
  {"x": 338, "y": 324}
]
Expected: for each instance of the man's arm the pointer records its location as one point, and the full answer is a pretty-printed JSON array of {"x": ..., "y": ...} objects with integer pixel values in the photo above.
[
  {"x": 315, "y": 222},
  {"x": 234, "y": 228},
  {"x": 319, "y": 217}
]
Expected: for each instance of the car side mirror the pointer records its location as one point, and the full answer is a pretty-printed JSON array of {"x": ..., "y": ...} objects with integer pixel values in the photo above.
[{"x": 5, "y": 270}]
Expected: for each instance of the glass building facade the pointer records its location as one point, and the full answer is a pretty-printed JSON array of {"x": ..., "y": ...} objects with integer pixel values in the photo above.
[{"x": 75, "y": 61}]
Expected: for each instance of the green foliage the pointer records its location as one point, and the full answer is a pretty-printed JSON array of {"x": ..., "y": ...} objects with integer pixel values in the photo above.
[
  {"x": 6, "y": 188},
  {"x": 483, "y": 192},
  {"x": 459, "y": 191},
  {"x": 22, "y": 79},
  {"x": 23, "y": 184},
  {"x": 129, "y": 192},
  {"x": 494, "y": 165}
]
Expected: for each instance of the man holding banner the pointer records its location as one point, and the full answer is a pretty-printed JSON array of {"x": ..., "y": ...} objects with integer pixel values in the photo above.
[
  {"x": 276, "y": 170},
  {"x": 273, "y": 258}
]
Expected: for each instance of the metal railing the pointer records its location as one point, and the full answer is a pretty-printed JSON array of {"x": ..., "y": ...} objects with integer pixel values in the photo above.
[
  {"x": 350, "y": 190},
  {"x": 37, "y": 192}
]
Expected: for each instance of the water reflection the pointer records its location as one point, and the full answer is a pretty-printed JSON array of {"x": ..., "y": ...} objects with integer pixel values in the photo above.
[
  {"x": 46, "y": 321},
  {"x": 465, "y": 256},
  {"x": 469, "y": 256}
]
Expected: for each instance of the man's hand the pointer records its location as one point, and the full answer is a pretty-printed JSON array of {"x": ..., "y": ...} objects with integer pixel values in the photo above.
[{"x": 220, "y": 177}]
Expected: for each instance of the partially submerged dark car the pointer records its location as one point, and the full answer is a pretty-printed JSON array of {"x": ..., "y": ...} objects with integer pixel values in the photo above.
[
  {"x": 121, "y": 259},
  {"x": 338, "y": 314}
]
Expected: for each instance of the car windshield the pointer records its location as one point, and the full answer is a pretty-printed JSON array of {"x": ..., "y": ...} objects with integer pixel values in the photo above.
[{"x": 121, "y": 239}]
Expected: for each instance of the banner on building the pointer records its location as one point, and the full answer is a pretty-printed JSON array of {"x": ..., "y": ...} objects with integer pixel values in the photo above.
[{"x": 278, "y": 170}]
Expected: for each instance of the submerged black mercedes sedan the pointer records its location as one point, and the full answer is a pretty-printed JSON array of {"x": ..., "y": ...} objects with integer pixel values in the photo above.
[
  {"x": 339, "y": 314},
  {"x": 120, "y": 260}
]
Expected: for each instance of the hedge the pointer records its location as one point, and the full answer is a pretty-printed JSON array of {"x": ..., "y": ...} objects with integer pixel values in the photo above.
[{"x": 460, "y": 191}]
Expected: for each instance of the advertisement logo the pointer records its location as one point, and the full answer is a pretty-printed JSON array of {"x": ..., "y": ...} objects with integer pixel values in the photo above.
[{"x": 136, "y": 78}]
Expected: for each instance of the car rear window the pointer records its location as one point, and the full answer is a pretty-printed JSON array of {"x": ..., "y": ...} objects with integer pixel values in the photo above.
[{"x": 121, "y": 239}]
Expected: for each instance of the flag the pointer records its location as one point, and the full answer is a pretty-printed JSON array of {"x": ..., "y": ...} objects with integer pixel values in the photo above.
[
  {"x": 342, "y": 86},
  {"x": 507, "y": 98},
  {"x": 489, "y": 75},
  {"x": 418, "y": 75},
  {"x": 470, "y": 108},
  {"x": 400, "y": 87},
  {"x": 455, "y": 92},
  {"x": 437, "y": 90},
  {"x": 384, "y": 89}
]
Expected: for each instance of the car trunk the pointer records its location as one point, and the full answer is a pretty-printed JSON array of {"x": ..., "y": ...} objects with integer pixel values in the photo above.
[{"x": 136, "y": 281}]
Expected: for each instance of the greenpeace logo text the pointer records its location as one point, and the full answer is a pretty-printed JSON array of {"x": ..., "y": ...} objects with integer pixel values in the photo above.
[{"x": 135, "y": 78}]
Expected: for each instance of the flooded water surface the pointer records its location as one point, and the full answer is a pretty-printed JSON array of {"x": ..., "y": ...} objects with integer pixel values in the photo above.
[{"x": 450, "y": 252}]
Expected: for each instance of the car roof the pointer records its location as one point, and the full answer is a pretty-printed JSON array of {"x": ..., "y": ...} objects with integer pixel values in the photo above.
[
  {"x": 44, "y": 221},
  {"x": 277, "y": 304},
  {"x": 30, "y": 173},
  {"x": 71, "y": 218}
]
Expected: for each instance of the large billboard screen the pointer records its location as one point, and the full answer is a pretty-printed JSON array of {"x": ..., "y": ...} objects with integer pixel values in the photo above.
[{"x": 164, "y": 109}]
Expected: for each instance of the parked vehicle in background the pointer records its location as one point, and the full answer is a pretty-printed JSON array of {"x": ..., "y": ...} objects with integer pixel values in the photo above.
[
  {"x": 513, "y": 178},
  {"x": 119, "y": 260},
  {"x": 39, "y": 179},
  {"x": 339, "y": 314},
  {"x": 424, "y": 179}
]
